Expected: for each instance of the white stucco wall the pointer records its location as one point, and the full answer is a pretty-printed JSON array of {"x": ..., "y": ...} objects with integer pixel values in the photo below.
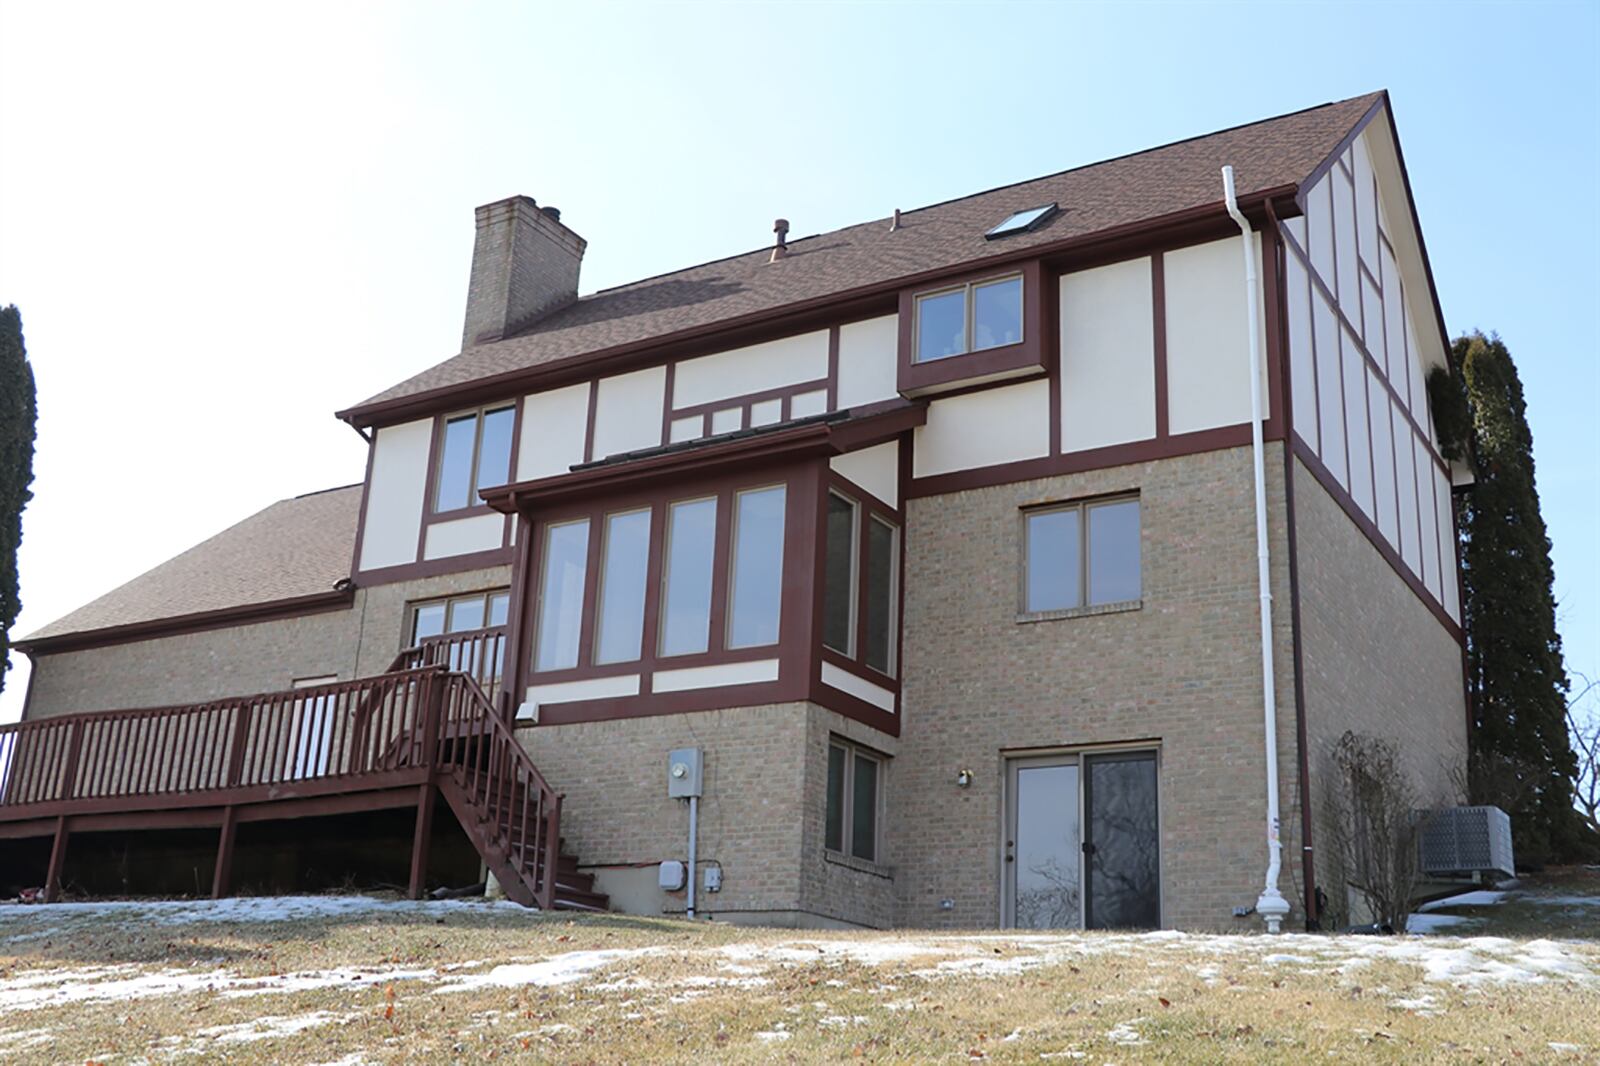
[
  {"x": 1208, "y": 347},
  {"x": 755, "y": 368},
  {"x": 627, "y": 414},
  {"x": 1002, "y": 425},
  {"x": 867, "y": 361},
  {"x": 876, "y": 469},
  {"x": 394, "y": 496},
  {"x": 483, "y": 532},
  {"x": 1108, "y": 377},
  {"x": 554, "y": 425}
]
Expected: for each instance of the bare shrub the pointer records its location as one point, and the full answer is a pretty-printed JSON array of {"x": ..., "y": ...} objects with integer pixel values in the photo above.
[{"x": 1374, "y": 825}]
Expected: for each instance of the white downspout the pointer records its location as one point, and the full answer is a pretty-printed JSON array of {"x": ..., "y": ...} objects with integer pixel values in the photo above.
[
  {"x": 1270, "y": 905},
  {"x": 694, "y": 824}
]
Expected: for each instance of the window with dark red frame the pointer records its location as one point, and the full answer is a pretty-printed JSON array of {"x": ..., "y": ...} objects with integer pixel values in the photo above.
[
  {"x": 474, "y": 453},
  {"x": 861, "y": 582},
  {"x": 652, "y": 582}
]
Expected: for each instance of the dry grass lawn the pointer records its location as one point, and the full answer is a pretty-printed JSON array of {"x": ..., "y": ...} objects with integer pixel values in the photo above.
[{"x": 352, "y": 981}]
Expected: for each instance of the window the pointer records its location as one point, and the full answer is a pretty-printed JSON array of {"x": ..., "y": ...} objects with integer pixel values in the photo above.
[
  {"x": 475, "y": 453},
  {"x": 458, "y": 614},
  {"x": 882, "y": 585},
  {"x": 855, "y": 782},
  {"x": 972, "y": 318},
  {"x": 1066, "y": 566},
  {"x": 622, "y": 582},
  {"x": 858, "y": 554},
  {"x": 566, "y": 560},
  {"x": 755, "y": 594},
  {"x": 1022, "y": 221},
  {"x": 686, "y": 595},
  {"x": 839, "y": 576}
]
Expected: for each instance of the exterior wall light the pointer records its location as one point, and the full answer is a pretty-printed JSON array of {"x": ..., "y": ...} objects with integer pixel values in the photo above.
[{"x": 963, "y": 778}]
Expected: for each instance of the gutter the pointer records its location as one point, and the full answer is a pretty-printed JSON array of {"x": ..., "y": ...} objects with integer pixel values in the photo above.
[
  {"x": 1270, "y": 904},
  {"x": 831, "y": 307},
  {"x": 154, "y": 628}
]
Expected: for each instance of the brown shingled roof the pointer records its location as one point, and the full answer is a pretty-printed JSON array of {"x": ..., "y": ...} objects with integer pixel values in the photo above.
[
  {"x": 1265, "y": 155},
  {"x": 296, "y": 548}
]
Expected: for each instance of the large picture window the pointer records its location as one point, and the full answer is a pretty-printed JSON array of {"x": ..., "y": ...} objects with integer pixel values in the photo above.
[
  {"x": 686, "y": 585},
  {"x": 1081, "y": 555},
  {"x": 622, "y": 587},
  {"x": 474, "y": 453},
  {"x": 566, "y": 563},
  {"x": 855, "y": 790},
  {"x": 755, "y": 596},
  {"x": 861, "y": 584}
]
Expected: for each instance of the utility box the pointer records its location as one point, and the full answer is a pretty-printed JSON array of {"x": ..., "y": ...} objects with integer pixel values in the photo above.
[
  {"x": 1467, "y": 840},
  {"x": 672, "y": 876},
  {"x": 685, "y": 770}
]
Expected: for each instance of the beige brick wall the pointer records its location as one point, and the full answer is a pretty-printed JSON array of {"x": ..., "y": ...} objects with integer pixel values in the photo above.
[
  {"x": 241, "y": 660},
  {"x": 760, "y": 818},
  {"x": 1376, "y": 660},
  {"x": 1181, "y": 672}
]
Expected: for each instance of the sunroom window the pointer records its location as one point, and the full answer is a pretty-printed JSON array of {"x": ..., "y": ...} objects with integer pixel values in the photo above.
[
  {"x": 969, "y": 318},
  {"x": 860, "y": 594}
]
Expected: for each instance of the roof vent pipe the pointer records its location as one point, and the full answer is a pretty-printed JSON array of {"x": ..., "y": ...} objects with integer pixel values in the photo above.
[
  {"x": 781, "y": 248},
  {"x": 1270, "y": 905},
  {"x": 894, "y": 225}
]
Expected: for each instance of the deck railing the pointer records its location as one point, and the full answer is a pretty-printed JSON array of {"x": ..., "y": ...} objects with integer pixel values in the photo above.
[
  {"x": 494, "y": 772},
  {"x": 344, "y": 729},
  {"x": 478, "y": 653}
]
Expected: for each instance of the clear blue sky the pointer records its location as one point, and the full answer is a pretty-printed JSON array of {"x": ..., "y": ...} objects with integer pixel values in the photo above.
[{"x": 224, "y": 221}]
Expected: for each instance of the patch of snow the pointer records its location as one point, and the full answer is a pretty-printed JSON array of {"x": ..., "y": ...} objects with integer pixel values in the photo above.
[
  {"x": 556, "y": 970},
  {"x": 1565, "y": 901},
  {"x": 1432, "y": 923},
  {"x": 241, "y": 910},
  {"x": 53, "y": 988},
  {"x": 270, "y": 1027},
  {"x": 1125, "y": 1034},
  {"x": 1477, "y": 898},
  {"x": 772, "y": 1036},
  {"x": 20, "y": 1039},
  {"x": 1285, "y": 957},
  {"x": 1425, "y": 1005},
  {"x": 1564, "y": 1049}
]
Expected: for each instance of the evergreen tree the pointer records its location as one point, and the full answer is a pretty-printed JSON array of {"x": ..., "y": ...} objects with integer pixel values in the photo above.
[
  {"x": 17, "y": 415},
  {"x": 1522, "y": 757}
]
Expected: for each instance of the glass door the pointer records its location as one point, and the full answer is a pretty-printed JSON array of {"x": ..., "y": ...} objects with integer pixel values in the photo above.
[
  {"x": 1122, "y": 845},
  {"x": 1082, "y": 846},
  {"x": 1042, "y": 861}
]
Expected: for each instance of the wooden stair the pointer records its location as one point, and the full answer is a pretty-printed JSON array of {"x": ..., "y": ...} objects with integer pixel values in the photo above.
[{"x": 506, "y": 807}]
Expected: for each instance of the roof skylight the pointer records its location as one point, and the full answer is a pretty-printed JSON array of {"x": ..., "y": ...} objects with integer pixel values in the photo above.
[{"x": 1022, "y": 221}]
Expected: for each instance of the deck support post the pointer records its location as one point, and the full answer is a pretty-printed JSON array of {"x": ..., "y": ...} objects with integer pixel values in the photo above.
[
  {"x": 58, "y": 859},
  {"x": 222, "y": 876},
  {"x": 421, "y": 839}
]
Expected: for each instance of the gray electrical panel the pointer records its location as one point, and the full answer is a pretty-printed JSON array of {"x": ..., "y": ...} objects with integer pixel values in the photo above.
[{"x": 685, "y": 769}]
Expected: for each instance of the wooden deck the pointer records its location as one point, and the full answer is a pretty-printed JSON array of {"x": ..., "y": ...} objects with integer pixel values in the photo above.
[{"x": 427, "y": 727}]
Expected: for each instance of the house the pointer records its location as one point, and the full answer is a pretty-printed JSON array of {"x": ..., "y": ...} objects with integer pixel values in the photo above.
[{"x": 925, "y": 549}]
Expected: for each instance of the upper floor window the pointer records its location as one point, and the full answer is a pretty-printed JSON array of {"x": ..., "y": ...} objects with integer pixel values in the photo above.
[
  {"x": 1081, "y": 554},
  {"x": 459, "y": 614},
  {"x": 861, "y": 573},
  {"x": 968, "y": 318},
  {"x": 474, "y": 453}
]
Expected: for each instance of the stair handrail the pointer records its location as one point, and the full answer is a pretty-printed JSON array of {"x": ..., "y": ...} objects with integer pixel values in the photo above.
[{"x": 481, "y": 754}]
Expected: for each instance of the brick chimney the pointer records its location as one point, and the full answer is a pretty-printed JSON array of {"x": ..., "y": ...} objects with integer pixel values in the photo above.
[{"x": 524, "y": 265}]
